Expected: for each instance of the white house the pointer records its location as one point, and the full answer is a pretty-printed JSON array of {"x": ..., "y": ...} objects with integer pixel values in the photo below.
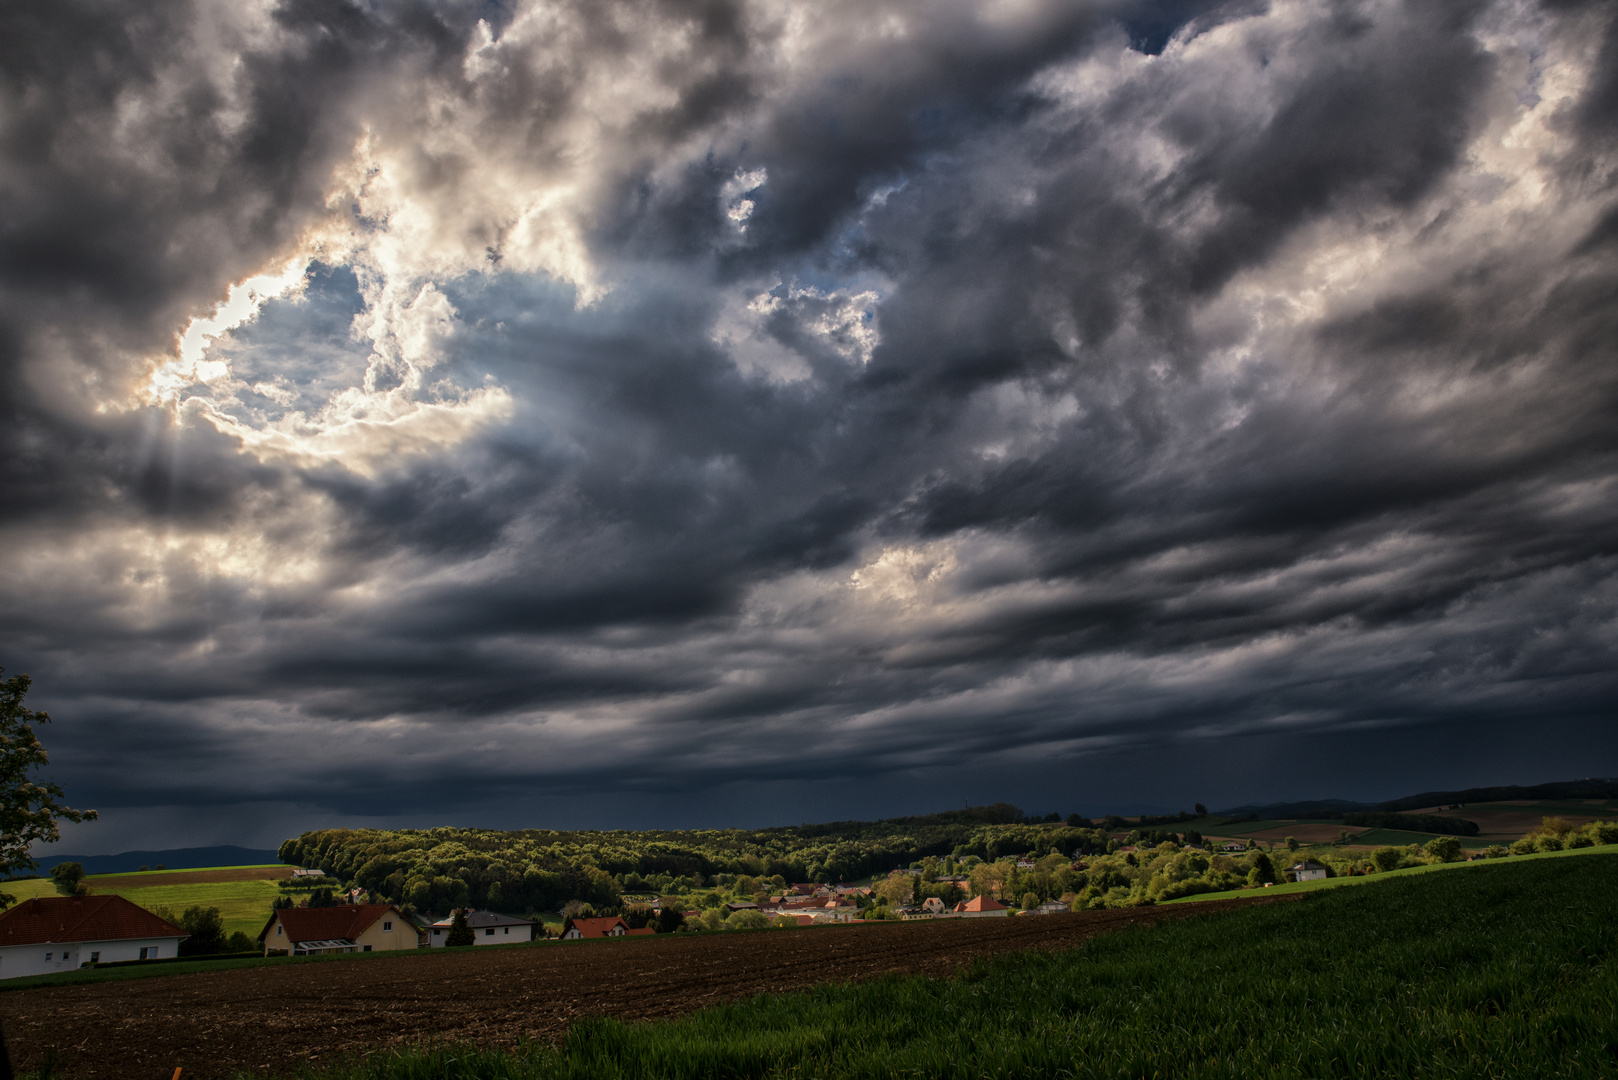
[
  {"x": 1308, "y": 870},
  {"x": 61, "y": 933},
  {"x": 980, "y": 907},
  {"x": 488, "y": 928}
]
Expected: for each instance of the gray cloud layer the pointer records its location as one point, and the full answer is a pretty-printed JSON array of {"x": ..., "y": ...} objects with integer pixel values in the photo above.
[{"x": 683, "y": 392}]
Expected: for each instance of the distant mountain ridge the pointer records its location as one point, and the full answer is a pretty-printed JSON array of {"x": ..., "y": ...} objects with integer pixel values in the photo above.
[
  {"x": 1589, "y": 788},
  {"x": 1315, "y": 808},
  {"x": 172, "y": 858}
]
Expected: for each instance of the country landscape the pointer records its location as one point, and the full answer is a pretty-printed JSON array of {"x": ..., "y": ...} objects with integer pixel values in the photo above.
[
  {"x": 746, "y": 995},
  {"x": 809, "y": 539}
]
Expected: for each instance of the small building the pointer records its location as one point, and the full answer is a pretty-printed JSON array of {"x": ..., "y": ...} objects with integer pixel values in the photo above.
[
  {"x": 980, "y": 907},
  {"x": 1052, "y": 907},
  {"x": 61, "y": 933},
  {"x": 1308, "y": 870},
  {"x": 933, "y": 905},
  {"x": 1233, "y": 845},
  {"x": 300, "y": 872},
  {"x": 343, "y": 928},
  {"x": 609, "y": 927},
  {"x": 488, "y": 928},
  {"x": 741, "y": 905}
]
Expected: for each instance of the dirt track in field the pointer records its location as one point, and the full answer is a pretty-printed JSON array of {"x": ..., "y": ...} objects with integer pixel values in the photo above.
[
  {"x": 270, "y": 1020},
  {"x": 191, "y": 877}
]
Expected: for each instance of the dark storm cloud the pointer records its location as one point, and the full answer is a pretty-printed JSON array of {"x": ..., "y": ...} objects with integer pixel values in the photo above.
[{"x": 874, "y": 393}]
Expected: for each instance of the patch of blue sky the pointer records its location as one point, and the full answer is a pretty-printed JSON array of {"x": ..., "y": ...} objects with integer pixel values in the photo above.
[{"x": 298, "y": 352}]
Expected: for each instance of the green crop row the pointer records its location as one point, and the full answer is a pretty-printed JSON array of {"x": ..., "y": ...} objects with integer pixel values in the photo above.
[{"x": 1497, "y": 970}]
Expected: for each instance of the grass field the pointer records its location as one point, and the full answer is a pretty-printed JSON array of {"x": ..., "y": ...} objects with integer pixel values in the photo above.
[
  {"x": 1503, "y": 969},
  {"x": 244, "y": 905},
  {"x": 1286, "y": 888}
]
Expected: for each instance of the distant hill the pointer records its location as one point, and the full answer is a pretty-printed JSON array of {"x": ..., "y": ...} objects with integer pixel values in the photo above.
[
  {"x": 173, "y": 859},
  {"x": 1317, "y": 808},
  {"x": 1592, "y": 788}
]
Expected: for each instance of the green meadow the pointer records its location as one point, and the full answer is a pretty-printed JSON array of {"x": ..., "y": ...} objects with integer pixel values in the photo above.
[
  {"x": 1499, "y": 969},
  {"x": 244, "y": 905}
]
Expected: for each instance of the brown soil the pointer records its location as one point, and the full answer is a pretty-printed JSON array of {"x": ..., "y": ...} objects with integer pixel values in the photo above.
[
  {"x": 277, "y": 1018},
  {"x": 190, "y": 877}
]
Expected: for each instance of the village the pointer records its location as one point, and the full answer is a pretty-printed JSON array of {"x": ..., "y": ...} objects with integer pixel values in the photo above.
[{"x": 52, "y": 934}]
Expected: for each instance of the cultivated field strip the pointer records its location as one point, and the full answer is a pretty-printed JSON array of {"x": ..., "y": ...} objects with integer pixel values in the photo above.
[{"x": 217, "y": 1023}]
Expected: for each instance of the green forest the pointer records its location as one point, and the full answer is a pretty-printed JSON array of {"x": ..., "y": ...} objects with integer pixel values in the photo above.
[
  {"x": 532, "y": 870},
  {"x": 993, "y": 850}
]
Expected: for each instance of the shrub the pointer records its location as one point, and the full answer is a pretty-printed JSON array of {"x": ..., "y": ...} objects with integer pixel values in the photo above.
[
  {"x": 1444, "y": 849},
  {"x": 69, "y": 878},
  {"x": 1548, "y": 842},
  {"x": 747, "y": 919},
  {"x": 1495, "y": 851},
  {"x": 1387, "y": 858},
  {"x": 1525, "y": 846}
]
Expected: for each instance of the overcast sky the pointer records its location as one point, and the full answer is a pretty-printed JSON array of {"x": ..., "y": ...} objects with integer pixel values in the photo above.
[{"x": 632, "y": 413}]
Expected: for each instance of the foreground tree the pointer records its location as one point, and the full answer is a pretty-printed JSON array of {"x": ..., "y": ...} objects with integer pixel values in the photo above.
[
  {"x": 206, "y": 930},
  {"x": 459, "y": 933},
  {"x": 28, "y": 810}
]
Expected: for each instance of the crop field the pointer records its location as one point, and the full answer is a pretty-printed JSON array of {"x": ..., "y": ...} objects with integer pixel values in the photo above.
[
  {"x": 242, "y": 894},
  {"x": 280, "y": 1015},
  {"x": 1497, "y": 970},
  {"x": 1506, "y": 821}
]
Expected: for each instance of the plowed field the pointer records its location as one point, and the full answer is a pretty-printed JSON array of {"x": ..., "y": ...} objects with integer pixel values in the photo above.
[
  {"x": 272, "y": 1019},
  {"x": 112, "y": 882}
]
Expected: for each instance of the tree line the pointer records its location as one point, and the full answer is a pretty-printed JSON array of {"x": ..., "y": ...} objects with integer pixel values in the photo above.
[{"x": 437, "y": 870}]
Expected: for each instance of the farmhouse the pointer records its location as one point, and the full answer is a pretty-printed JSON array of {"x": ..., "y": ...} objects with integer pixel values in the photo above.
[
  {"x": 488, "y": 928},
  {"x": 980, "y": 907},
  {"x": 601, "y": 928},
  {"x": 61, "y": 933},
  {"x": 339, "y": 929},
  {"x": 1308, "y": 870},
  {"x": 1233, "y": 845}
]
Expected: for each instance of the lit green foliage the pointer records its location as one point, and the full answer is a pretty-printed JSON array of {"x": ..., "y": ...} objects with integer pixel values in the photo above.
[
  {"x": 540, "y": 869},
  {"x": 1454, "y": 974}
]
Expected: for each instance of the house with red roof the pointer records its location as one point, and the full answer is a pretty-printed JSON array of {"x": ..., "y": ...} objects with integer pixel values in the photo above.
[
  {"x": 61, "y": 933},
  {"x": 611, "y": 926},
  {"x": 343, "y": 928},
  {"x": 980, "y": 907}
]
